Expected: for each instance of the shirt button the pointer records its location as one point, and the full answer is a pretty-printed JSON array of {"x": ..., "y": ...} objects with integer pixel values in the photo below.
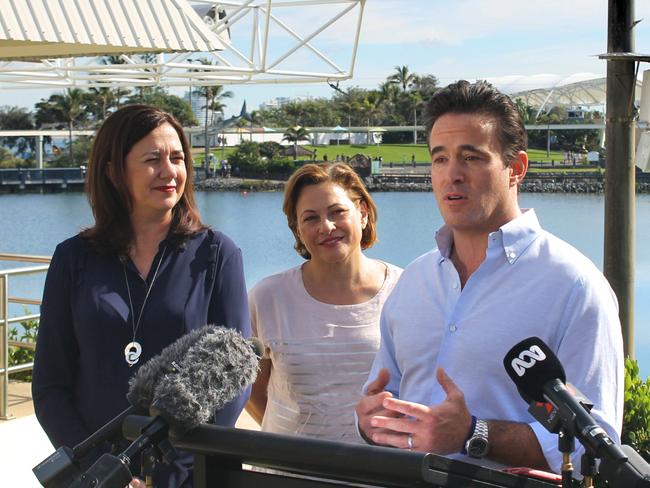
[
  {"x": 455, "y": 286},
  {"x": 511, "y": 255},
  {"x": 452, "y": 328}
]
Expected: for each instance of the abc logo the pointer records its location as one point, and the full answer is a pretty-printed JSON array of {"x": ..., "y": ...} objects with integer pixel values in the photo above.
[{"x": 527, "y": 359}]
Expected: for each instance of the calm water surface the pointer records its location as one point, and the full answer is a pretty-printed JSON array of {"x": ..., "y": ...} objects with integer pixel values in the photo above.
[{"x": 34, "y": 224}]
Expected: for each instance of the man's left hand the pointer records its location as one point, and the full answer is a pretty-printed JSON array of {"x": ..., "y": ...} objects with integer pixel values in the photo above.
[{"x": 441, "y": 429}]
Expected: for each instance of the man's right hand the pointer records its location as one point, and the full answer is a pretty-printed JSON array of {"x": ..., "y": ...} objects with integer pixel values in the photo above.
[{"x": 371, "y": 405}]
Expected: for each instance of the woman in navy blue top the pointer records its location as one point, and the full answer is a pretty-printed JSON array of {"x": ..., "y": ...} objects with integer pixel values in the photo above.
[{"x": 146, "y": 273}]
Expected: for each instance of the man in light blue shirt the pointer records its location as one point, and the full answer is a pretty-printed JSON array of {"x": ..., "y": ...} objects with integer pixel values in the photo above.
[{"x": 495, "y": 278}]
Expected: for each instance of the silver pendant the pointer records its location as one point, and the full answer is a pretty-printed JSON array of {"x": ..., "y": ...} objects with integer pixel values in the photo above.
[{"x": 132, "y": 353}]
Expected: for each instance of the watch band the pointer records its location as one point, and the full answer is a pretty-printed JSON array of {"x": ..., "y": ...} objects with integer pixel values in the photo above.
[
  {"x": 469, "y": 435},
  {"x": 478, "y": 445}
]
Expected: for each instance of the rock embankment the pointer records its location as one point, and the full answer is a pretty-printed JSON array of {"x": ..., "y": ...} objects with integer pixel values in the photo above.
[
  {"x": 533, "y": 183},
  {"x": 238, "y": 185}
]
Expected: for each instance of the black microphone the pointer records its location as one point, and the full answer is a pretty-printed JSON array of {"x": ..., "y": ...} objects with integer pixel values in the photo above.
[
  {"x": 540, "y": 377},
  {"x": 60, "y": 467},
  {"x": 216, "y": 360},
  {"x": 214, "y": 370}
]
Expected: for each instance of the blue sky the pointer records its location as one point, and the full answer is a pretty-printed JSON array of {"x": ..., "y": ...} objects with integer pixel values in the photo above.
[{"x": 471, "y": 39}]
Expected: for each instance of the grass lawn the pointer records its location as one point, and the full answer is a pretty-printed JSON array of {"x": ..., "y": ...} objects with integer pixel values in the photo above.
[
  {"x": 396, "y": 153},
  {"x": 401, "y": 153},
  {"x": 198, "y": 153}
]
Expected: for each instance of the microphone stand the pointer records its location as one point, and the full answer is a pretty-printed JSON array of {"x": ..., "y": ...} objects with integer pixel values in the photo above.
[
  {"x": 111, "y": 471},
  {"x": 566, "y": 445},
  {"x": 61, "y": 468},
  {"x": 148, "y": 465},
  {"x": 588, "y": 469}
]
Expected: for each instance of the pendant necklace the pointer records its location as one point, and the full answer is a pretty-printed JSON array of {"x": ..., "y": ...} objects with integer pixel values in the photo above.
[{"x": 133, "y": 349}]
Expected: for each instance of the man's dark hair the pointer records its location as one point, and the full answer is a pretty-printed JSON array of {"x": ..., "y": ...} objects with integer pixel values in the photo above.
[{"x": 480, "y": 98}]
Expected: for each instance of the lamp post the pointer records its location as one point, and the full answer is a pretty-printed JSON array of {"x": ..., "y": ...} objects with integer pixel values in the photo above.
[{"x": 620, "y": 216}]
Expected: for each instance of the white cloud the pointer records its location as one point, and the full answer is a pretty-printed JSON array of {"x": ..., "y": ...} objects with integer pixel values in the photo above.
[{"x": 453, "y": 22}]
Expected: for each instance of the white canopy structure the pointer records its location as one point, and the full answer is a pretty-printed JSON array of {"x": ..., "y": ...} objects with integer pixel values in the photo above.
[
  {"x": 547, "y": 90},
  {"x": 31, "y": 30},
  {"x": 234, "y": 41}
]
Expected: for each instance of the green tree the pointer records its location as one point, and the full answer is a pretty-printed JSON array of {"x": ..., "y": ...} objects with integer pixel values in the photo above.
[
  {"x": 294, "y": 111},
  {"x": 81, "y": 149},
  {"x": 246, "y": 157},
  {"x": 10, "y": 160},
  {"x": 425, "y": 85},
  {"x": 214, "y": 96},
  {"x": 402, "y": 77},
  {"x": 294, "y": 135},
  {"x": 68, "y": 107},
  {"x": 103, "y": 99},
  {"x": 241, "y": 125},
  {"x": 20, "y": 355},
  {"x": 175, "y": 105},
  {"x": 17, "y": 118},
  {"x": 636, "y": 411},
  {"x": 254, "y": 118},
  {"x": 526, "y": 111}
]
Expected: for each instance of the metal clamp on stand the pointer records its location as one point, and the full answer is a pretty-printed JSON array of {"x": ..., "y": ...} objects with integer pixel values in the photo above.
[
  {"x": 566, "y": 445},
  {"x": 588, "y": 470}
]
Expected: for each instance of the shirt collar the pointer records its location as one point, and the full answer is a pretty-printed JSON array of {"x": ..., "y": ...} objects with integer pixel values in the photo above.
[
  {"x": 514, "y": 237},
  {"x": 518, "y": 234}
]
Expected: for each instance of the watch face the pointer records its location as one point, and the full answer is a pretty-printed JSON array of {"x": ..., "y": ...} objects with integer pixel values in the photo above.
[{"x": 477, "y": 447}]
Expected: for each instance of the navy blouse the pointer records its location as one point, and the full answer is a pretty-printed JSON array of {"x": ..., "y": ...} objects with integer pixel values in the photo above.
[{"x": 80, "y": 377}]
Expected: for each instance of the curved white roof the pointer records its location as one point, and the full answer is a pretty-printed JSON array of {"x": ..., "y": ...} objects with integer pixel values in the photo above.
[{"x": 548, "y": 90}]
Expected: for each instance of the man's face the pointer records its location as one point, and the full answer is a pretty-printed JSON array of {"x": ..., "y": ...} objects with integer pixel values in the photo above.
[{"x": 475, "y": 190}]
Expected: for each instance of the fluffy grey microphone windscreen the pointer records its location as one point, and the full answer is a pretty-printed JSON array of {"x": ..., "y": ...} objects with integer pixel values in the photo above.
[
  {"x": 217, "y": 368},
  {"x": 143, "y": 384}
]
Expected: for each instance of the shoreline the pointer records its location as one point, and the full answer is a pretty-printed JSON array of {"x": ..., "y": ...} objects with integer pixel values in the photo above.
[{"x": 531, "y": 184}]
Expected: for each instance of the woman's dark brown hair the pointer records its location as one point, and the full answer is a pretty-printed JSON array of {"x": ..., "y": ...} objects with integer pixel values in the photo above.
[
  {"x": 109, "y": 196},
  {"x": 344, "y": 176}
]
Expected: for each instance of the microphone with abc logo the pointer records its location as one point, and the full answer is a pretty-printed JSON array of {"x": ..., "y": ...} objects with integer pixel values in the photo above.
[{"x": 540, "y": 377}]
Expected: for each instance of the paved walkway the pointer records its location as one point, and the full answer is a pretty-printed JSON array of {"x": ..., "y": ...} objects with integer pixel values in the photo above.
[{"x": 23, "y": 444}]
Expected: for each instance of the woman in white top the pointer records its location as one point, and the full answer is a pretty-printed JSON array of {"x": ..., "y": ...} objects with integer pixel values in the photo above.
[{"x": 320, "y": 321}]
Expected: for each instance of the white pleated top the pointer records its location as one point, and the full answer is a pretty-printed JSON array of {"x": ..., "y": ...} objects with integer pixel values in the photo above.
[{"x": 321, "y": 355}]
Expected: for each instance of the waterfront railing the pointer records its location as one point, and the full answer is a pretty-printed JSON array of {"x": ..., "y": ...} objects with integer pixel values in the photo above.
[{"x": 42, "y": 265}]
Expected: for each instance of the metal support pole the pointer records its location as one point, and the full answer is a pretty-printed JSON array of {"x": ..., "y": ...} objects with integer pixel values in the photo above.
[
  {"x": 39, "y": 152},
  {"x": 619, "y": 177},
  {"x": 415, "y": 125},
  {"x": 4, "y": 349}
]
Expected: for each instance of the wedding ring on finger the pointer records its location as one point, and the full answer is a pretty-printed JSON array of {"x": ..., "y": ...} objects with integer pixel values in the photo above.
[{"x": 409, "y": 442}]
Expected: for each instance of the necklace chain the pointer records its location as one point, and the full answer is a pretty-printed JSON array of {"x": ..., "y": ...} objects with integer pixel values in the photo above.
[{"x": 133, "y": 349}]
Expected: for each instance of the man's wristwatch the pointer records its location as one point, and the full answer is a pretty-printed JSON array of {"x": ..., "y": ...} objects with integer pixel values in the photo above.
[{"x": 477, "y": 445}]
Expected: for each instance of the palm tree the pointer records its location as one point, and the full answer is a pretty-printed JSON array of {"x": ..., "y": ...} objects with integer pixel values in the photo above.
[
  {"x": 295, "y": 134},
  {"x": 370, "y": 108},
  {"x": 294, "y": 110},
  {"x": 416, "y": 100},
  {"x": 402, "y": 77},
  {"x": 213, "y": 94},
  {"x": 102, "y": 99},
  {"x": 69, "y": 107},
  {"x": 526, "y": 111},
  {"x": 240, "y": 124},
  {"x": 254, "y": 118}
]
